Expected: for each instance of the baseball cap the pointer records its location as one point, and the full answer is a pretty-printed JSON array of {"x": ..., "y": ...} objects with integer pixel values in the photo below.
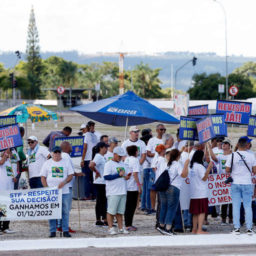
[
  {"x": 33, "y": 138},
  {"x": 102, "y": 145},
  {"x": 246, "y": 138},
  {"x": 227, "y": 141},
  {"x": 56, "y": 149},
  {"x": 83, "y": 126},
  {"x": 119, "y": 151},
  {"x": 113, "y": 140},
  {"x": 90, "y": 123},
  {"x": 134, "y": 129}
]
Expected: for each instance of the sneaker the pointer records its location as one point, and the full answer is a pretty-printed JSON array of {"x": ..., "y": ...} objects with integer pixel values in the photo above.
[
  {"x": 131, "y": 228},
  {"x": 161, "y": 230},
  {"x": 52, "y": 234},
  {"x": 123, "y": 231},
  {"x": 236, "y": 231},
  {"x": 9, "y": 231},
  {"x": 99, "y": 223},
  {"x": 250, "y": 232},
  {"x": 168, "y": 232},
  {"x": 66, "y": 234},
  {"x": 112, "y": 231},
  {"x": 70, "y": 230},
  {"x": 223, "y": 223}
]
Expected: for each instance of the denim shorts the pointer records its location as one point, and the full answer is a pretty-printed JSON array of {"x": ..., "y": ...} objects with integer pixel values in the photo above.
[{"x": 116, "y": 204}]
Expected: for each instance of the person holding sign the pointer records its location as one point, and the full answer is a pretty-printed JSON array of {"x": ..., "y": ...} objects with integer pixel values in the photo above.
[
  {"x": 198, "y": 191},
  {"x": 169, "y": 199},
  {"x": 243, "y": 165},
  {"x": 221, "y": 160},
  {"x": 58, "y": 172},
  {"x": 7, "y": 180}
]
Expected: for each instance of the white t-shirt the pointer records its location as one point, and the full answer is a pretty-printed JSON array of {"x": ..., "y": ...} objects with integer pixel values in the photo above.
[
  {"x": 140, "y": 145},
  {"x": 175, "y": 171},
  {"x": 160, "y": 165},
  {"x": 56, "y": 172},
  {"x": 14, "y": 160},
  {"x": 240, "y": 173},
  {"x": 67, "y": 157},
  {"x": 198, "y": 187},
  {"x": 91, "y": 140},
  {"x": 6, "y": 176},
  {"x": 133, "y": 165},
  {"x": 109, "y": 156},
  {"x": 100, "y": 161},
  {"x": 117, "y": 186},
  {"x": 36, "y": 160},
  {"x": 222, "y": 159},
  {"x": 151, "y": 146}
]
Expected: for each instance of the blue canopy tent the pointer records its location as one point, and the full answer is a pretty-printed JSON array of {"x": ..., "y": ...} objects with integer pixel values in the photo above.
[{"x": 124, "y": 110}]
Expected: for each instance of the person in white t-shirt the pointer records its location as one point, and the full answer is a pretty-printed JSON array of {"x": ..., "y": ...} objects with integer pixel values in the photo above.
[
  {"x": 133, "y": 186},
  {"x": 7, "y": 180},
  {"x": 244, "y": 165},
  {"x": 58, "y": 172},
  {"x": 37, "y": 155},
  {"x": 90, "y": 140},
  {"x": 169, "y": 199},
  {"x": 198, "y": 191},
  {"x": 97, "y": 166},
  {"x": 113, "y": 142},
  {"x": 221, "y": 159},
  {"x": 115, "y": 175}
]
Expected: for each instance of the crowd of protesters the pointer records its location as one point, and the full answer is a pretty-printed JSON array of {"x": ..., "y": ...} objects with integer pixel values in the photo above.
[{"x": 122, "y": 178}]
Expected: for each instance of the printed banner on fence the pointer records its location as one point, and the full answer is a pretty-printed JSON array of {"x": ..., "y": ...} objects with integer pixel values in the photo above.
[
  {"x": 205, "y": 129},
  {"x": 198, "y": 110},
  {"x": 251, "y": 131},
  {"x": 7, "y": 120},
  {"x": 188, "y": 129},
  {"x": 76, "y": 142},
  {"x": 235, "y": 112},
  {"x": 10, "y": 137},
  {"x": 31, "y": 204}
]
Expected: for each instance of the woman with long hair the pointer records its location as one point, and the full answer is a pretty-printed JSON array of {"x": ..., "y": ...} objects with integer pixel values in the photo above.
[
  {"x": 169, "y": 199},
  {"x": 198, "y": 191}
]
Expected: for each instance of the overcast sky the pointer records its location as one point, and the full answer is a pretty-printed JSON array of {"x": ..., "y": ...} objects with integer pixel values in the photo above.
[{"x": 91, "y": 26}]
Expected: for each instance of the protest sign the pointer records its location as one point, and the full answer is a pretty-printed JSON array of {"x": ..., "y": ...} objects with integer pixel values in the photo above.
[
  {"x": 77, "y": 143},
  {"x": 7, "y": 120},
  {"x": 252, "y": 126},
  {"x": 10, "y": 137},
  {"x": 188, "y": 129},
  {"x": 31, "y": 204},
  {"x": 198, "y": 110},
  {"x": 235, "y": 112},
  {"x": 205, "y": 129},
  {"x": 180, "y": 104}
]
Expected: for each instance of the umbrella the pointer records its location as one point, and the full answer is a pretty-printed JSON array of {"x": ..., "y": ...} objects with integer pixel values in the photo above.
[
  {"x": 124, "y": 110},
  {"x": 35, "y": 113}
]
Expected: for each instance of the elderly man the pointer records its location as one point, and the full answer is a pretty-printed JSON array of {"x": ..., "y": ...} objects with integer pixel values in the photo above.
[
  {"x": 37, "y": 155},
  {"x": 58, "y": 172}
]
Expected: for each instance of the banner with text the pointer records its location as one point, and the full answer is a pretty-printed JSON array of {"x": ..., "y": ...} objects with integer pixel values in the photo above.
[
  {"x": 235, "y": 112},
  {"x": 31, "y": 204},
  {"x": 205, "y": 129},
  {"x": 252, "y": 126},
  {"x": 77, "y": 143},
  {"x": 10, "y": 137},
  {"x": 7, "y": 120},
  {"x": 198, "y": 110},
  {"x": 188, "y": 129}
]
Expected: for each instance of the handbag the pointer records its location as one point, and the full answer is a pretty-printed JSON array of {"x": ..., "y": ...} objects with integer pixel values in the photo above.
[{"x": 230, "y": 179}]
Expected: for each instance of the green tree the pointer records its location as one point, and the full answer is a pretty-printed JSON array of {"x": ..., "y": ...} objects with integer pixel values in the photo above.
[{"x": 34, "y": 65}]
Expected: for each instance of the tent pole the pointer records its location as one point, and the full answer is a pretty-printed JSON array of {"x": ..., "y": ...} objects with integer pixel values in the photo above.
[
  {"x": 126, "y": 125},
  {"x": 26, "y": 135}
]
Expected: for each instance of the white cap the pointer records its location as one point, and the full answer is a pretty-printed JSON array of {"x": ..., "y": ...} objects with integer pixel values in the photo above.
[
  {"x": 119, "y": 151},
  {"x": 134, "y": 129},
  {"x": 82, "y": 126},
  {"x": 33, "y": 138}
]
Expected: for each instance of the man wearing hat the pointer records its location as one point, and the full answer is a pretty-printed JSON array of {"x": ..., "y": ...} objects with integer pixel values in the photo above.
[
  {"x": 37, "y": 155},
  {"x": 58, "y": 172},
  {"x": 113, "y": 142},
  {"x": 116, "y": 174}
]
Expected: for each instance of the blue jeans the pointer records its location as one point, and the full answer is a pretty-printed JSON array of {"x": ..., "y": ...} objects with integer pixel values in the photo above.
[
  {"x": 169, "y": 204},
  {"x": 145, "y": 198},
  {"x": 241, "y": 192},
  {"x": 178, "y": 219},
  {"x": 35, "y": 182},
  {"x": 89, "y": 189},
  {"x": 187, "y": 218},
  {"x": 64, "y": 215}
]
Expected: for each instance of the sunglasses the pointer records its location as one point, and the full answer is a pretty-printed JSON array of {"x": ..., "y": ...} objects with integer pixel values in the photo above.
[
  {"x": 30, "y": 142},
  {"x": 162, "y": 129},
  {"x": 57, "y": 152},
  {"x": 136, "y": 131}
]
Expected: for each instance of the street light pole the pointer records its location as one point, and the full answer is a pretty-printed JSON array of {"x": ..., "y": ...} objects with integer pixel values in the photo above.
[{"x": 226, "y": 44}]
